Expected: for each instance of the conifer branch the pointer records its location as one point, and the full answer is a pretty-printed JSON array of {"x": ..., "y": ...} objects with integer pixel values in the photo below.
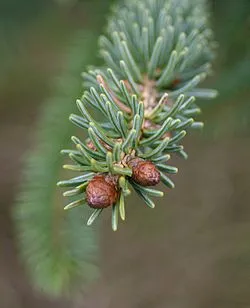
[
  {"x": 156, "y": 53},
  {"x": 55, "y": 247}
]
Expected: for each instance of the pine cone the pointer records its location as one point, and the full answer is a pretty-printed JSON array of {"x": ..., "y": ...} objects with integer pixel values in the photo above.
[
  {"x": 102, "y": 191},
  {"x": 144, "y": 172}
]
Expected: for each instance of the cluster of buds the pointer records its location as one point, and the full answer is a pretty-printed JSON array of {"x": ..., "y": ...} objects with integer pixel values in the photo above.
[{"x": 103, "y": 190}]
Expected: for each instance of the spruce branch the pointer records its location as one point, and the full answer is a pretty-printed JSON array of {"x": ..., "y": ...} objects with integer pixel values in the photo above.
[
  {"x": 56, "y": 249},
  {"x": 156, "y": 53}
]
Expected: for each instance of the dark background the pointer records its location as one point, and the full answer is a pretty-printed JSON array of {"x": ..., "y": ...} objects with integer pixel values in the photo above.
[{"x": 193, "y": 250}]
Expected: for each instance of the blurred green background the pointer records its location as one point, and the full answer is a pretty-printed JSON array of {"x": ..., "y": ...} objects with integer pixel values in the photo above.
[{"x": 193, "y": 250}]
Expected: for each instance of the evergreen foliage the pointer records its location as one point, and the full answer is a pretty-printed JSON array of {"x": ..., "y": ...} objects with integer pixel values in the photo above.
[
  {"x": 156, "y": 53},
  {"x": 57, "y": 249},
  {"x": 137, "y": 106}
]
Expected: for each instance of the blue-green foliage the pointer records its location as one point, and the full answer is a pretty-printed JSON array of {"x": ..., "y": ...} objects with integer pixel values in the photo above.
[
  {"x": 155, "y": 54},
  {"x": 57, "y": 249},
  {"x": 165, "y": 40}
]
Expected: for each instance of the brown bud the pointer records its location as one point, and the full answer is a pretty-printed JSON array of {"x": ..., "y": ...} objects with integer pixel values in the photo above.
[
  {"x": 168, "y": 134},
  {"x": 176, "y": 82},
  {"x": 102, "y": 191},
  {"x": 144, "y": 172},
  {"x": 91, "y": 146}
]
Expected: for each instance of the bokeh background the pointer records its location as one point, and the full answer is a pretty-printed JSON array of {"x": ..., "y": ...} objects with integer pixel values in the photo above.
[{"x": 193, "y": 250}]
